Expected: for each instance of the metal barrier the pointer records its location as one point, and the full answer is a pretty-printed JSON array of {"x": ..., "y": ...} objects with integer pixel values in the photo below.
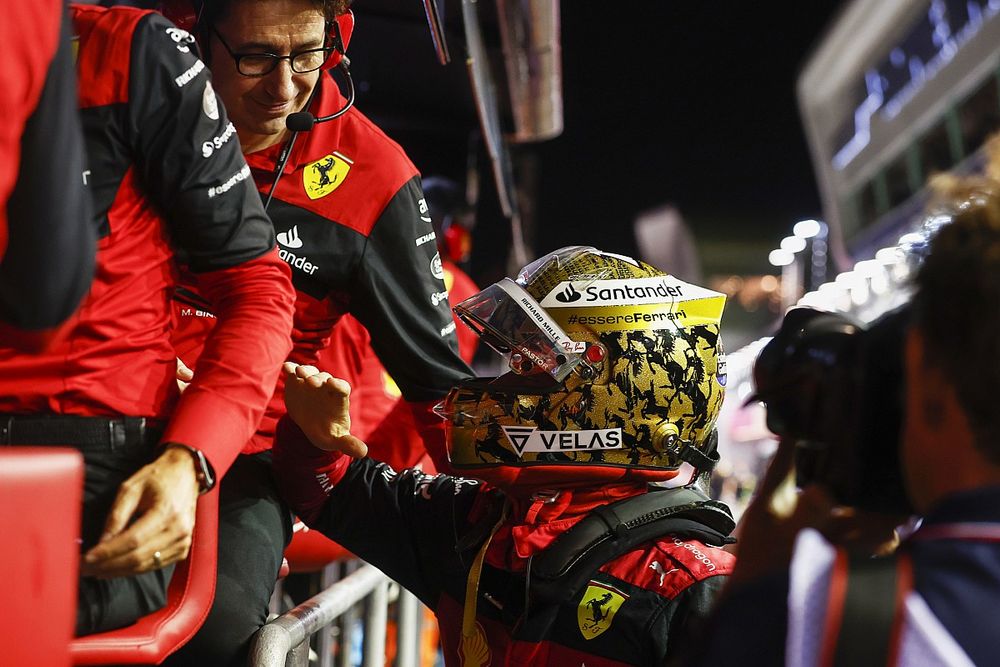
[{"x": 284, "y": 641}]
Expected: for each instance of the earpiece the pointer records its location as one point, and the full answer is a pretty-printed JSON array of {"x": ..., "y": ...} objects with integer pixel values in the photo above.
[{"x": 338, "y": 36}]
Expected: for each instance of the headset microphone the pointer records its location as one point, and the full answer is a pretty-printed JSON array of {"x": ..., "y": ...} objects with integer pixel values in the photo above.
[
  {"x": 303, "y": 121},
  {"x": 300, "y": 121}
]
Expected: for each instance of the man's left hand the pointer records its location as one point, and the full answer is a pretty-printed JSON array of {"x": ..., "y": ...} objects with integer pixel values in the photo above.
[{"x": 153, "y": 514}]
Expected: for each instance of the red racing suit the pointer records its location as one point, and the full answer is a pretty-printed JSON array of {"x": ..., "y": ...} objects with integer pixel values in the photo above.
[
  {"x": 147, "y": 106},
  {"x": 352, "y": 223},
  {"x": 424, "y": 532}
]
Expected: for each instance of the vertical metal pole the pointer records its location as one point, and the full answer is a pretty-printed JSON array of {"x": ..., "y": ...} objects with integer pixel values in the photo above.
[
  {"x": 375, "y": 619},
  {"x": 348, "y": 621},
  {"x": 408, "y": 636},
  {"x": 324, "y": 641},
  {"x": 299, "y": 655}
]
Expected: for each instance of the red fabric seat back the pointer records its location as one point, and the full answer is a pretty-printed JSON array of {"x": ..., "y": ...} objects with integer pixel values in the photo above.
[
  {"x": 40, "y": 496},
  {"x": 152, "y": 638}
]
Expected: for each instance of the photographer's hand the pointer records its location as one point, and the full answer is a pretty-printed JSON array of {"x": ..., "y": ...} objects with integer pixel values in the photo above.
[{"x": 774, "y": 518}]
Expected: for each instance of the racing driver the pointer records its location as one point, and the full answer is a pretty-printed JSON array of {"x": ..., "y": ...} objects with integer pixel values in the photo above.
[{"x": 567, "y": 553}]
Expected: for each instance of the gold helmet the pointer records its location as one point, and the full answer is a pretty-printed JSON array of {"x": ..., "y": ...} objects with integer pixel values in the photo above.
[{"x": 616, "y": 372}]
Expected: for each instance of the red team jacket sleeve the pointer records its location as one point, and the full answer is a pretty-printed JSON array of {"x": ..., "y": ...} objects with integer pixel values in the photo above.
[
  {"x": 220, "y": 410},
  {"x": 220, "y": 231}
]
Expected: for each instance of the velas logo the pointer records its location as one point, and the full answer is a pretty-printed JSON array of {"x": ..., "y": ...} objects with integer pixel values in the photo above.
[
  {"x": 325, "y": 175},
  {"x": 529, "y": 439},
  {"x": 568, "y": 295},
  {"x": 290, "y": 239},
  {"x": 626, "y": 292}
]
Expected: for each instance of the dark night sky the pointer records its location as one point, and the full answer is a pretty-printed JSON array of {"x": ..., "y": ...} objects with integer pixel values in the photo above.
[{"x": 692, "y": 103}]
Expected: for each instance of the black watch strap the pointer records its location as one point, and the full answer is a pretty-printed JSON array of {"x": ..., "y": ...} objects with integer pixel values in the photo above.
[{"x": 203, "y": 469}]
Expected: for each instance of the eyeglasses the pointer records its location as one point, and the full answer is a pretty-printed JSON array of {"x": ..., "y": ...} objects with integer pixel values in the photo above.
[{"x": 262, "y": 64}]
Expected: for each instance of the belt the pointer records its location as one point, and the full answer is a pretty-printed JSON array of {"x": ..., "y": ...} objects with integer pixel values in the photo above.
[{"x": 95, "y": 432}]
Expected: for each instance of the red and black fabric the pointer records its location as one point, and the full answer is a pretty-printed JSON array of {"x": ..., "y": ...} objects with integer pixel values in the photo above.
[
  {"x": 160, "y": 201},
  {"x": 352, "y": 223},
  {"x": 429, "y": 529},
  {"x": 47, "y": 241}
]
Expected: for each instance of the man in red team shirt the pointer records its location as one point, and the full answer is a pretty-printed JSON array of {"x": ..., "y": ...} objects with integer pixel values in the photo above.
[
  {"x": 108, "y": 387},
  {"x": 352, "y": 224}
]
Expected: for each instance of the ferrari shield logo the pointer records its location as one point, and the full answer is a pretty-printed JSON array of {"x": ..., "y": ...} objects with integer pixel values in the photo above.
[
  {"x": 325, "y": 175},
  {"x": 597, "y": 609}
]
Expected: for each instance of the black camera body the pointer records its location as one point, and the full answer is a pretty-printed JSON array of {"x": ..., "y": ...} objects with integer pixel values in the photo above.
[{"x": 837, "y": 389}]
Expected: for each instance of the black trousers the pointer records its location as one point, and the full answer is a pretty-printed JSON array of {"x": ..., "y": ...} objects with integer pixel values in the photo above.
[
  {"x": 113, "y": 449},
  {"x": 255, "y": 526}
]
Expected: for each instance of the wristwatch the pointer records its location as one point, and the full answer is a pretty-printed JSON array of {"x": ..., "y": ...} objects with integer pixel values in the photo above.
[{"x": 202, "y": 468}]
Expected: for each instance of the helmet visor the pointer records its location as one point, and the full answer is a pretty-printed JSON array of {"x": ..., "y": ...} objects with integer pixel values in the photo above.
[
  {"x": 560, "y": 259},
  {"x": 510, "y": 321}
]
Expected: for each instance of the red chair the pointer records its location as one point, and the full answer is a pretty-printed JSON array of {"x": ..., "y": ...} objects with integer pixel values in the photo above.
[
  {"x": 40, "y": 499},
  {"x": 153, "y": 638}
]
